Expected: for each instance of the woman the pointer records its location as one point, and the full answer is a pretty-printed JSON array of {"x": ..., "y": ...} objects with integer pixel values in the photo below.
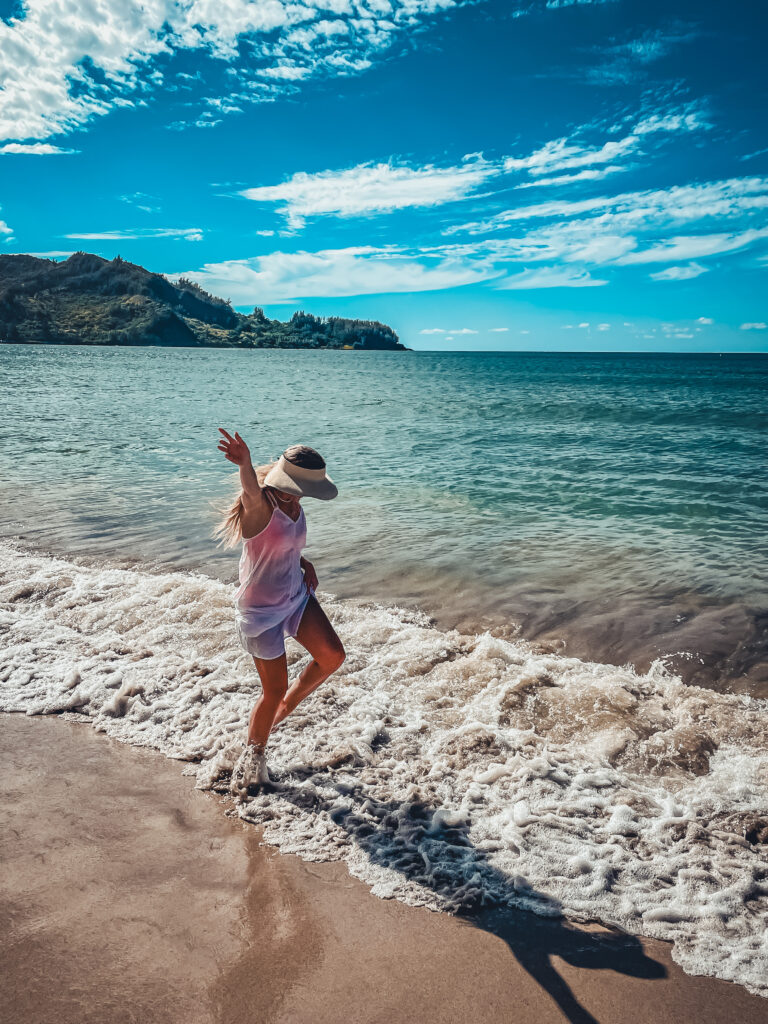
[{"x": 276, "y": 596}]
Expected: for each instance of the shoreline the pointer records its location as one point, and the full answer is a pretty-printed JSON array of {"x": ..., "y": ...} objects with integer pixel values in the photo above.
[
  {"x": 661, "y": 632},
  {"x": 130, "y": 895},
  {"x": 443, "y": 771}
]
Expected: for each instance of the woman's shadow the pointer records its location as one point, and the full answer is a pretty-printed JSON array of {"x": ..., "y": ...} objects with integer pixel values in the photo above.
[{"x": 429, "y": 849}]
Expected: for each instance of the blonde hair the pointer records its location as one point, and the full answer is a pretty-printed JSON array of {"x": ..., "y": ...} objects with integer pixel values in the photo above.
[{"x": 229, "y": 528}]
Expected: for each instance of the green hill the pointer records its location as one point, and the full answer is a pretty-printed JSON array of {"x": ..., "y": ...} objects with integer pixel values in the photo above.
[{"x": 87, "y": 300}]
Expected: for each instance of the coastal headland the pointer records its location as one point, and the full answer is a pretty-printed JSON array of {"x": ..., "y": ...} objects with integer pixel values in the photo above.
[{"x": 87, "y": 300}]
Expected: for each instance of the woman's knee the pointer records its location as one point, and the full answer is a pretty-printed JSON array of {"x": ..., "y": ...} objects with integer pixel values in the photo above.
[
  {"x": 332, "y": 657},
  {"x": 272, "y": 699}
]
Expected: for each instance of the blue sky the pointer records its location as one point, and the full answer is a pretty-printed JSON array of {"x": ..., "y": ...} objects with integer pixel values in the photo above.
[{"x": 532, "y": 174}]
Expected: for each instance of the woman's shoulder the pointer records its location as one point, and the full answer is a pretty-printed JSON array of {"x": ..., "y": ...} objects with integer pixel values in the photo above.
[{"x": 255, "y": 523}]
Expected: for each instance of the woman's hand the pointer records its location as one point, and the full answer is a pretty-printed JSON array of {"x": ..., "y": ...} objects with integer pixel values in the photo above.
[
  {"x": 234, "y": 448},
  {"x": 310, "y": 576}
]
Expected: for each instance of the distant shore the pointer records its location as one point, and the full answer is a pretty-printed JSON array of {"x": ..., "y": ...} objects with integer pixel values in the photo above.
[
  {"x": 214, "y": 345},
  {"x": 87, "y": 300}
]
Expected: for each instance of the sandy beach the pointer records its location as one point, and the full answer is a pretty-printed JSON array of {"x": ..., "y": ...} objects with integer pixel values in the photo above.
[{"x": 127, "y": 896}]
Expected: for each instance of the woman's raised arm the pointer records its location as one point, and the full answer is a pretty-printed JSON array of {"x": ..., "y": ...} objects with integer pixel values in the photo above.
[{"x": 236, "y": 450}]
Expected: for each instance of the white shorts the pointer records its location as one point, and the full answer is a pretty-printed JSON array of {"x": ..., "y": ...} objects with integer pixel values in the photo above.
[{"x": 271, "y": 643}]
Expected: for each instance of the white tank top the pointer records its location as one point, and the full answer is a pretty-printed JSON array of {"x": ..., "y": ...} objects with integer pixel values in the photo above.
[{"x": 271, "y": 581}]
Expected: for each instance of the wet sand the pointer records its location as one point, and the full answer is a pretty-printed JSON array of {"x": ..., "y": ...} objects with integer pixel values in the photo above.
[{"x": 128, "y": 896}]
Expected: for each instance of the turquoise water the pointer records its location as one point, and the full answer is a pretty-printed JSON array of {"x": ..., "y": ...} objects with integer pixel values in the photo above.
[{"x": 614, "y": 503}]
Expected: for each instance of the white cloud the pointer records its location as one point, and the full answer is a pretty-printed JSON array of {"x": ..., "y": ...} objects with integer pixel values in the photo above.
[
  {"x": 565, "y": 154},
  {"x": 498, "y": 330},
  {"x": 553, "y": 5},
  {"x": 35, "y": 149},
  {"x": 360, "y": 270},
  {"x": 753, "y": 327},
  {"x": 188, "y": 234},
  {"x": 623, "y": 62},
  {"x": 633, "y": 211},
  {"x": 603, "y": 327},
  {"x": 142, "y": 201},
  {"x": 4, "y": 229},
  {"x": 584, "y": 324},
  {"x": 562, "y": 155},
  {"x": 569, "y": 179},
  {"x": 550, "y": 277},
  {"x": 568, "y": 241},
  {"x": 683, "y": 247},
  {"x": 51, "y": 254},
  {"x": 65, "y": 62},
  {"x": 286, "y": 71},
  {"x": 558, "y": 244},
  {"x": 679, "y": 273},
  {"x": 706, "y": 320},
  {"x": 556, "y": 4},
  {"x": 631, "y": 228},
  {"x": 371, "y": 188},
  {"x": 442, "y": 330}
]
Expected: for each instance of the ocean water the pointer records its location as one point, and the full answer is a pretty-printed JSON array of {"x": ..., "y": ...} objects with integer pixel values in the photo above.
[
  {"x": 616, "y": 504},
  {"x": 549, "y": 572}
]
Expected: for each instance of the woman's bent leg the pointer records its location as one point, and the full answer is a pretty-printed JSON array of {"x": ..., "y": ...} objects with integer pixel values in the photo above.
[
  {"x": 273, "y": 673},
  {"x": 318, "y": 636}
]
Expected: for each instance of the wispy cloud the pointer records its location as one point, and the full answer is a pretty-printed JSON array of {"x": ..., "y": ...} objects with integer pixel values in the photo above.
[
  {"x": 550, "y": 277},
  {"x": 374, "y": 188},
  {"x": 454, "y": 331},
  {"x": 51, "y": 254},
  {"x": 591, "y": 162},
  {"x": 760, "y": 326},
  {"x": 131, "y": 234},
  {"x": 562, "y": 155},
  {"x": 562, "y": 245},
  {"x": 34, "y": 149},
  {"x": 63, "y": 63},
  {"x": 677, "y": 205},
  {"x": 360, "y": 270},
  {"x": 626, "y": 61},
  {"x": 627, "y": 229},
  {"x": 371, "y": 188},
  {"x": 589, "y": 174},
  {"x": 685, "y": 247},
  {"x": 539, "y": 6},
  {"x": 142, "y": 201},
  {"x": 683, "y": 273},
  {"x": 553, "y": 5}
]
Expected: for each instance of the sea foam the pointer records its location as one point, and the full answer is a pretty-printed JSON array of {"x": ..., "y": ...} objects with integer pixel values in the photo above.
[{"x": 447, "y": 770}]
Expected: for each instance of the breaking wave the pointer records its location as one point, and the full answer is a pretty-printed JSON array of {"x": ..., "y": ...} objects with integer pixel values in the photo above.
[{"x": 447, "y": 770}]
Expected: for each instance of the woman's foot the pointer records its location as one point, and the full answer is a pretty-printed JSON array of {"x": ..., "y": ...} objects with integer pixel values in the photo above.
[{"x": 251, "y": 767}]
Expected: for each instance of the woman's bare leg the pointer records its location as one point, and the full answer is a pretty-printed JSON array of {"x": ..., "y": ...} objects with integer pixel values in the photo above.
[
  {"x": 273, "y": 673},
  {"x": 319, "y": 637}
]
